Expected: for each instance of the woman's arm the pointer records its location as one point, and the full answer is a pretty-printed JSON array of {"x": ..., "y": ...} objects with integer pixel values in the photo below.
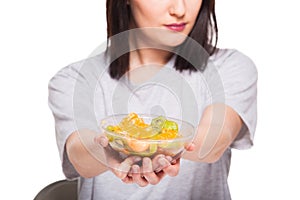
[
  {"x": 90, "y": 155},
  {"x": 218, "y": 128},
  {"x": 83, "y": 161}
]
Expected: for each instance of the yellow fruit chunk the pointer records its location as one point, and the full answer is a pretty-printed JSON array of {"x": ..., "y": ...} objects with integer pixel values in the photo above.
[
  {"x": 165, "y": 135},
  {"x": 132, "y": 116}
]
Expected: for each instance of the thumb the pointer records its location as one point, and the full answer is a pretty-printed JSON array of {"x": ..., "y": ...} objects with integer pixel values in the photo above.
[
  {"x": 102, "y": 140},
  {"x": 190, "y": 147}
]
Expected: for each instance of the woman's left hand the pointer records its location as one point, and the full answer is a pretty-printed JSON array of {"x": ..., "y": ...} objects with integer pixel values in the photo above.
[{"x": 152, "y": 171}]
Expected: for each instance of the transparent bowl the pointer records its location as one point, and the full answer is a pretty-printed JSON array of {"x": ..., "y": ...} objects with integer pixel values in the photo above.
[{"x": 126, "y": 145}]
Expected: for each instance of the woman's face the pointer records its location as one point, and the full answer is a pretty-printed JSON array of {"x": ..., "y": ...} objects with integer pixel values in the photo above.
[{"x": 171, "y": 16}]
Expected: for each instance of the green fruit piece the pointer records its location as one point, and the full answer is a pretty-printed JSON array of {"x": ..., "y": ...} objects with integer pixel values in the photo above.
[
  {"x": 152, "y": 148},
  {"x": 157, "y": 123},
  {"x": 119, "y": 142},
  {"x": 170, "y": 125}
]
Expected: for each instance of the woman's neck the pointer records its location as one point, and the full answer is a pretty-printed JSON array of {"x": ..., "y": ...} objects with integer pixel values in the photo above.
[
  {"x": 144, "y": 57},
  {"x": 145, "y": 51}
]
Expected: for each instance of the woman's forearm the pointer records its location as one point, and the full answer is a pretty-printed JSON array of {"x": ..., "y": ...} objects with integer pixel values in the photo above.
[
  {"x": 218, "y": 128},
  {"x": 86, "y": 156}
]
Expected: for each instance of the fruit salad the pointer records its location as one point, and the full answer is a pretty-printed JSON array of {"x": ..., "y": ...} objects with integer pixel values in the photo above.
[{"x": 132, "y": 136}]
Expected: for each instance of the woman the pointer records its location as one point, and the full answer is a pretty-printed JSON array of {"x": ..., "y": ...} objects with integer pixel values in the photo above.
[{"x": 153, "y": 42}]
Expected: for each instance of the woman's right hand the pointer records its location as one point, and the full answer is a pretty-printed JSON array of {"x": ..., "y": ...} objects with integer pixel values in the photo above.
[
  {"x": 128, "y": 170},
  {"x": 117, "y": 165}
]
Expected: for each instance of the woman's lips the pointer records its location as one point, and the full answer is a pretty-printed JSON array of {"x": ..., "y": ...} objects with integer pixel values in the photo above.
[{"x": 176, "y": 27}]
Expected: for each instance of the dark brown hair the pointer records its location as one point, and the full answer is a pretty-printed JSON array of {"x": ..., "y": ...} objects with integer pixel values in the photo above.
[{"x": 205, "y": 32}]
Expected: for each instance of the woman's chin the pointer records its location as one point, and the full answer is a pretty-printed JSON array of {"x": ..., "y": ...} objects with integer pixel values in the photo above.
[{"x": 159, "y": 37}]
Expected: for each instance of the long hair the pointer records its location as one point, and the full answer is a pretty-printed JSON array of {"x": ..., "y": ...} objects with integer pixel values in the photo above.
[{"x": 205, "y": 32}]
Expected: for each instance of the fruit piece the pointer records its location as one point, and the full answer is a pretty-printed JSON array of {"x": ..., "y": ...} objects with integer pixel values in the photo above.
[
  {"x": 149, "y": 152},
  {"x": 128, "y": 120},
  {"x": 138, "y": 122},
  {"x": 170, "y": 125},
  {"x": 137, "y": 146},
  {"x": 119, "y": 142},
  {"x": 157, "y": 123},
  {"x": 152, "y": 148},
  {"x": 131, "y": 116},
  {"x": 134, "y": 129},
  {"x": 148, "y": 132},
  {"x": 110, "y": 128},
  {"x": 115, "y": 129},
  {"x": 165, "y": 135},
  {"x": 110, "y": 137}
]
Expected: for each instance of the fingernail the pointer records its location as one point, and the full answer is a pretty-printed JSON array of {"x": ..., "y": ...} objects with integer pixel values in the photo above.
[
  {"x": 146, "y": 161},
  {"x": 134, "y": 169},
  {"x": 163, "y": 162}
]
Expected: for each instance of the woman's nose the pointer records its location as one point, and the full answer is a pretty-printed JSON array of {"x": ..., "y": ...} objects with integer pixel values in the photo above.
[{"x": 177, "y": 8}]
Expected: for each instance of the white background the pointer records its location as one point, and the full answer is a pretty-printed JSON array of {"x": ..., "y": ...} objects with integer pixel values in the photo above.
[{"x": 40, "y": 37}]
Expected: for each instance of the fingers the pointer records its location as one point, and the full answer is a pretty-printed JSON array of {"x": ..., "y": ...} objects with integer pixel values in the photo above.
[
  {"x": 128, "y": 180},
  {"x": 163, "y": 162},
  {"x": 148, "y": 173},
  {"x": 156, "y": 166},
  {"x": 172, "y": 170},
  {"x": 121, "y": 169},
  {"x": 137, "y": 178}
]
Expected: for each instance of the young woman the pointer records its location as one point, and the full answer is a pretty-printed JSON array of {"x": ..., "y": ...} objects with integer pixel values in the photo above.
[{"x": 156, "y": 49}]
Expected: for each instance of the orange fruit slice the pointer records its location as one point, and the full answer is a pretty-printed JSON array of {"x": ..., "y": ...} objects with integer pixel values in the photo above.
[{"x": 137, "y": 146}]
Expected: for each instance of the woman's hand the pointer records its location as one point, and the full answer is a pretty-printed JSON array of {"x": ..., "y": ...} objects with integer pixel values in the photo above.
[
  {"x": 152, "y": 170},
  {"x": 113, "y": 161}
]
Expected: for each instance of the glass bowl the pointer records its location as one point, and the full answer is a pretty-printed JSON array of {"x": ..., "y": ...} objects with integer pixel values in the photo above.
[{"x": 149, "y": 136}]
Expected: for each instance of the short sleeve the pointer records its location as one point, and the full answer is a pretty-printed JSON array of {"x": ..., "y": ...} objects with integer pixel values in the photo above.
[
  {"x": 72, "y": 93},
  {"x": 60, "y": 101},
  {"x": 239, "y": 76}
]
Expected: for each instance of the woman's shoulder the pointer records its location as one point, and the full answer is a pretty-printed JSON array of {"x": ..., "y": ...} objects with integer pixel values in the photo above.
[
  {"x": 91, "y": 65},
  {"x": 232, "y": 60},
  {"x": 222, "y": 55}
]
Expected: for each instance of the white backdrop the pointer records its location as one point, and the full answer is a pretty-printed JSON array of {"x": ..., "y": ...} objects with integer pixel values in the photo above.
[{"x": 40, "y": 37}]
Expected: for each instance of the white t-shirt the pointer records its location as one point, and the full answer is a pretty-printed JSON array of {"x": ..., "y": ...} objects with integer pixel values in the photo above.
[{"x": 83, "y": 93}]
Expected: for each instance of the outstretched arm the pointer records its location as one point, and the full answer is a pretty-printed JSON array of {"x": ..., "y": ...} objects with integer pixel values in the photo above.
[
  {"x": 218, "y": 128},
  {"x": 83, "y": 161}
]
